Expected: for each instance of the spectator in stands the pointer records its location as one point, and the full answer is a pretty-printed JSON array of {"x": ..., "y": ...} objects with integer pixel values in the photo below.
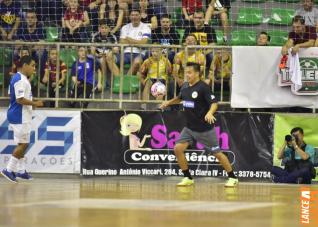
[
  {"x": 126, "y": 6},
  {"x": 155, "y": 68},
  {"x": 50, "y": 74},
  {"x": 166, "y": 35},
  {"x": 147, "y": 14},
  {"x": 109, "y": 57},
  {"x": 309, "y": 13},
  {"x": 75, "y": 21},
  {"x": 221, "y": 71},
  {"x": 31, "y": 30},
  {"x": 180, "y": 62},
  {"x": 48, "y": 12},
  {"x": 113, "y": 14},
  {"x": 263, "y": 39},
  {"x": 92, "y": 9},
  {"x": 204, "y": 34},
  {"x": 10, "y": 17},
  {"x": 83, "y": 74},
  {"x": 135, "y": 32},
  {"x": 219, "y": 9},
  {"x": 189, "y": 7},
  {"x": 302, "y": 36}
]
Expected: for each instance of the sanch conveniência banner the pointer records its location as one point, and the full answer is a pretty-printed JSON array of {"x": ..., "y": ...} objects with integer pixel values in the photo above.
[{"x": 109, "y": 144}]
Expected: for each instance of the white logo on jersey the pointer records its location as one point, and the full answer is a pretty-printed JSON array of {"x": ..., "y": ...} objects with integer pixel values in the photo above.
[
  {"x": 212, "y": 97},
  {"x": 194, "y": 94}
]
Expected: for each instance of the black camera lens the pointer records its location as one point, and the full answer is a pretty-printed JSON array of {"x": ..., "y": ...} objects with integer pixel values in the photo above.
[{"x": 288, "y": 138}]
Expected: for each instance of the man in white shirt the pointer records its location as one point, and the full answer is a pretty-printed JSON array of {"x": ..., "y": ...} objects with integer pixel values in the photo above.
[
  {"x": 135, "y": 32},
  {"x": 19, "y": 116}
]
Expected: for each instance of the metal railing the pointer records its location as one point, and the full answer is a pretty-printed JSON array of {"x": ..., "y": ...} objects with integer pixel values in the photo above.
[{"x": 117, "y": 89}]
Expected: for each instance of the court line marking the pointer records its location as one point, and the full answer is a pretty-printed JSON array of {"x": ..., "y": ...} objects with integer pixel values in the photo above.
[{"x": 159, "y": 205}]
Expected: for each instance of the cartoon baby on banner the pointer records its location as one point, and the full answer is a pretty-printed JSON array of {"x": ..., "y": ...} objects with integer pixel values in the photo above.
[{"x": 130, "y": 124}]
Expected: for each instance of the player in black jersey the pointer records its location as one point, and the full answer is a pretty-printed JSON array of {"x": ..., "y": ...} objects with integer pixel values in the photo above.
[{"x": 199, "y": 106}]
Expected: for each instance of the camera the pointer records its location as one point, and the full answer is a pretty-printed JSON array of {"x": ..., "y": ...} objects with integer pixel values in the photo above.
[{"x": 289, "y": 138}]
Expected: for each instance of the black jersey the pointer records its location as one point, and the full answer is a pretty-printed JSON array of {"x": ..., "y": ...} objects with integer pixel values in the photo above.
[{"x": 197, "y": 100}]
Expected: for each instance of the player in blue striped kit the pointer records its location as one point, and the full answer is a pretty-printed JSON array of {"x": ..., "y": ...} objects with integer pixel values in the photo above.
[{"x": 19, "y": 116}]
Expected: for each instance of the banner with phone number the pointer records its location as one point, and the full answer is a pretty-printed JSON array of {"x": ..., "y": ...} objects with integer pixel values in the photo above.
[{"x": 245, "y": 138}]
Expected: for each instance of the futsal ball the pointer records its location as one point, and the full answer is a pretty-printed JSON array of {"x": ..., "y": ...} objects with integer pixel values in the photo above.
[{"x": 158, "y": 88}]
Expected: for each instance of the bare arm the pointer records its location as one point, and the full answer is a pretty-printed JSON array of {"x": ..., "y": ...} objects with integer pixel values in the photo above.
[
  {"x": 175, "y": 100},
  {"x": 27, "y": 102},
  {"x": 281, "y": 151},
  {"x": 209, "y": 12},
  {"x": 46, "y": 76},
  {"x": 119, "y": 21},
  {"x": 185, "y": 13},
  {"x": 288, "y": 44},
  {"x": 15, "y": 27},
  {"x": 102, "y": 11},
  {"x": 135, "y": 41},
  {"x": 86, "y": 19},
  {"x": 154, "y": 22}
]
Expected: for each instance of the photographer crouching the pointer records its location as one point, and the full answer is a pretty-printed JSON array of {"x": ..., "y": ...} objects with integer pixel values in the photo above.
[{"x": 298, "y": 157}]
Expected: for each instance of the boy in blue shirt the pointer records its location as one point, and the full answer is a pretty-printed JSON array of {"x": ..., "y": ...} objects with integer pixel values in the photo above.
[{"x": 83, "y": 76}]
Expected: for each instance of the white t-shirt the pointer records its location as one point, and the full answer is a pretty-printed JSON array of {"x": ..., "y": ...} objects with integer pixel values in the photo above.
[
  {"x": 137, "y": 33},
  {"x": 311, "y": 17},
  {"x": 19, "y": 87}
]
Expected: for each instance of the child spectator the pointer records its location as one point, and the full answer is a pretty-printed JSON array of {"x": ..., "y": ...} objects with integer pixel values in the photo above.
[
  {"x": 83, "y": 76},
  {"x": 75, "y": 21},
  {"x": 113, "y": 14},
  {"x": 263, "y": 39},
  {"x": 155, "y": 68},
  {"x": 108, "y": 57},
  {"x": 50, "y": 74}
]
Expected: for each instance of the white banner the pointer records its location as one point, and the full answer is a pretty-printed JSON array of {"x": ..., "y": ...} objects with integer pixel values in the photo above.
[
  {"x": 55, "y": 145},
  {"x": 255, "y": 80}
]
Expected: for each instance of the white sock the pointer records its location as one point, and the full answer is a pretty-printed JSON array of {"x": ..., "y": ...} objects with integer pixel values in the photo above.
[
  {"x": 21, "y": 165},
  {"x": 12, "y": 164}
]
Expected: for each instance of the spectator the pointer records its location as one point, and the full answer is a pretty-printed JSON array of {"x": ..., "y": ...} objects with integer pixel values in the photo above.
[
  {"x": 109, "y": 57},
  {"x": 166, "y": 35},
  {"x": 155, "y": 68},
  {"x": 147, "y": 14},
  {"x": 219, "y": 9},
  {"x": 75, "y": 21},
  {"x": 189, "y": 7},
  {"x": 135, "y": 32},
  {"x": 10, "y": 16},
  {"x": 180, "y": 62},
  {"x": 50, "y": 74},
  {"x": 32, "y": 30},
  {"x": 302, "y": 36},
  {"x": 113, "y": 14},
  {"x": 92, "y": 9},
  {"x": 299, "y": 158},
  {"x": 204, "y": 34},
  {"x": 126, "y": 6},
  {"x": 83, "y": 76},
  {"x": 263, "y": 39},
  {"x": 221, "y": 71},
  {"x": 309, "y": 13}
]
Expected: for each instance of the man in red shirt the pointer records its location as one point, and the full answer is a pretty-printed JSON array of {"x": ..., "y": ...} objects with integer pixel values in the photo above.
[
  {"x": 302, "y": 36},
  {"x": 189, "y": 7}
]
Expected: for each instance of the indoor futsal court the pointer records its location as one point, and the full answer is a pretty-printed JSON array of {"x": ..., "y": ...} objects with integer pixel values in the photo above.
[{"x": 57, "y": 200}]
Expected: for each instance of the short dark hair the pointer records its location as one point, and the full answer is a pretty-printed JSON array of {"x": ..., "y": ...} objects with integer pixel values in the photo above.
[
  {"x": 199, "y": 11},
  {"x": 265, "y": 33},
  {"x": 165, "y": 16},
  {"x": 31, "y": 10},
  {"x": 193, "y": 35},
  {"x": 299, "y": 18},
  {"x": 196, "y": 67},
  {"x": 135, "y": 8},
  {"x": 25, "y": 60},
  {"x": 102, "y": 22},
  {"x": 296, "y": 129}
]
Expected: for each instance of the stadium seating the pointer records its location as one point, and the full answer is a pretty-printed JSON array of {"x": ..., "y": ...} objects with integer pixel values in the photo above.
[
  {"x": 219, "y": 37},
  {"x": 52, "y": 34},
  {"x": 6, "y": 56},
  {"x": 68, "y": 56},
  {"x": 287, "y": 1},
  {"x": 181, "y": 35},
  {"x": 1, "y": 78},
  {"x": 278, "y": 37},
  {"x": 130, "y": 84},
  {"x": 281, "y": 16},
  {"x": 250, "y": 16},
  {"x": 243, "y": 37}
]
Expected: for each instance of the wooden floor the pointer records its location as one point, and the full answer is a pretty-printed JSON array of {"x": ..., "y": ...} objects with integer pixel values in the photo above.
[{"x": 63, "y": 201}]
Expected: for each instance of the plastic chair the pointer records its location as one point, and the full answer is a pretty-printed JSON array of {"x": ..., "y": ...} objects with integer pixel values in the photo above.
[
  {"x": 243, "y": 38},
  {"x": 250, "y": 16},
  {"x": 278, "y": 37},
  {"x": 281, "y": 16},
  {"x": 130, "y": 84}
]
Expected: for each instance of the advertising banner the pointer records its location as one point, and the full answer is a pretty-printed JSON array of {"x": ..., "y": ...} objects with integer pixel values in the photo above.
[
  {"x": 257, "y": 82},
  {"x": 141, "y": 143},
  {"x": 55, "y": 142}
]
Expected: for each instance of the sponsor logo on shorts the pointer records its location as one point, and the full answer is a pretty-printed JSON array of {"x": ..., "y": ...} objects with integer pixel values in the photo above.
[{"x": 188, "y": 104}]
